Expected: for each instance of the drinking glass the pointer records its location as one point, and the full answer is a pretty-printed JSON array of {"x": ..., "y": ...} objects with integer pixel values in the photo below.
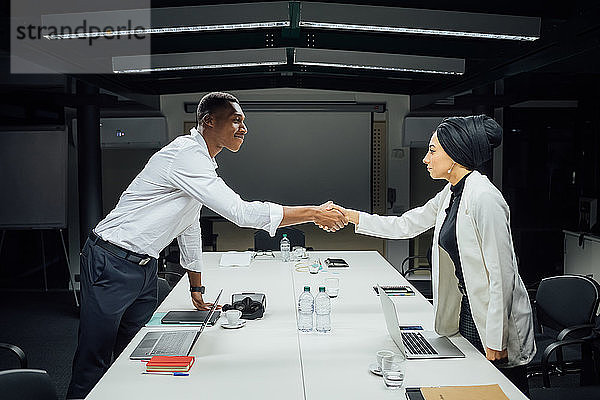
[
  {"x": 332, "y": 287},
  {"x": 394, "y": 371}
]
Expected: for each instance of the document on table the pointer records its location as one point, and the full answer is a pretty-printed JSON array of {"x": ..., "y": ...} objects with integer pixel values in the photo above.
[
  {"x": 236, "y": 259},
  {"x": 480, "y": 392}
]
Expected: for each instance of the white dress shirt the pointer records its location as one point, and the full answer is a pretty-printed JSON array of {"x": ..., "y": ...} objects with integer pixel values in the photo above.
[{"x": 164, "y": 202}]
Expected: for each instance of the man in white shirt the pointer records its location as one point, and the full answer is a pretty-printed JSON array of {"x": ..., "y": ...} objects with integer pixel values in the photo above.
[{"x": 119, "y": 259}]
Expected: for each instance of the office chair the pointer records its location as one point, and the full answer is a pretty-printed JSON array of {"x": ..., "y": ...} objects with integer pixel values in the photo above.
[
  {"x": 583, "y": 392},
  {"x": 17, "y": 351},
  {"x": 263, "y": 241},
  {"x": 26, "y": 384},
  {"x": 565, "y": 308},
  {"x": 422, "y": 285},
  {"x": 164, "y": 286},
  {"x": 209, "y": 239}
]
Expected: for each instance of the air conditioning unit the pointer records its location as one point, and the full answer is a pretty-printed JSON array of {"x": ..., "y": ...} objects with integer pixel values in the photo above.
[{"x": 133, "y": 132}]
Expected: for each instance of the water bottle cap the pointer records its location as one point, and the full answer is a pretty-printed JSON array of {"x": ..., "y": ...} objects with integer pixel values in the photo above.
[
  {"x": 307, "y": 288},
  {"x": 285, "y": 235},
  {"x": 321, "y": 288}
]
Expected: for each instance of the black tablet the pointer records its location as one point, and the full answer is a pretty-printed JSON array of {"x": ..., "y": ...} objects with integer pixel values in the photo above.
[{"x": 189, "y": 317}]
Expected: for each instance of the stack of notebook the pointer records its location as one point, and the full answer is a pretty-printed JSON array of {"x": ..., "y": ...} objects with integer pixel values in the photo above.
[{"x": 170, "y": 364}]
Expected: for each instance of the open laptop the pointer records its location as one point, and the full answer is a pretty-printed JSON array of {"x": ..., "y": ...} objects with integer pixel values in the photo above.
[
  {"x": 416, "y": 344},
  {"x": 171, "y": 343}
]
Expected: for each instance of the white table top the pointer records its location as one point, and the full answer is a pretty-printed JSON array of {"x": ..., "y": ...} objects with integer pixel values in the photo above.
[{"x": 270, "y": 359}]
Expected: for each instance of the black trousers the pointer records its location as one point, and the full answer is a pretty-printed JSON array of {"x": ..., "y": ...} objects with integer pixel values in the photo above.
[
  {"x": 467, "y": 328},
  {"x": 117, "y": 298}
]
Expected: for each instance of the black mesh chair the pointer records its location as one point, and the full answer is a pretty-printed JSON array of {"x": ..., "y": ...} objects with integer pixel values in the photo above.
[
  {"x": 565, "y": 309},
  {"x": 209, "y": 239},
  {"x": 165, "y": 285},
  {"x": 263, "y": 241},
  {"x": 422, "y": 285},
  {"x": 26, "y": 384}
]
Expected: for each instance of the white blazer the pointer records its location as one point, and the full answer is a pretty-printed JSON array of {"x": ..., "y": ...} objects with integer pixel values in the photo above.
[{"x": 498, "y": 298}]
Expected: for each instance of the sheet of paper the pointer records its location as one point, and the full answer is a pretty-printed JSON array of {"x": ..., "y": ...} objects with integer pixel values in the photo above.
[
  {"x": 480, "y": 392},
  {"x": 236, "y": 259}
]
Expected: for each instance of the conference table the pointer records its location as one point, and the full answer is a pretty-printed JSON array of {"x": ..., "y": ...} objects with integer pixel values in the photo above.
[{"x": 269, "y": 358}]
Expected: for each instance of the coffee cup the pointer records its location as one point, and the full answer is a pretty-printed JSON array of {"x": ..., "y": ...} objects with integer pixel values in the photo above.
[{"x": 233, "y": 317}]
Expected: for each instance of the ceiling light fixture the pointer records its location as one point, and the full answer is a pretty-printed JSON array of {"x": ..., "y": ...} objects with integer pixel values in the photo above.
[
  {"x": 165, "y": 20},
  {"x": 199, "y": 60},
  {"x": 419, "y": 21},
  {"x": 379, "y": 61}
]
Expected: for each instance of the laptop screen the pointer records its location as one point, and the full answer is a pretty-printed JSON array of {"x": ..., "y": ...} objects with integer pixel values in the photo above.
[
  {"x": 391, "y": 319},
  {"x": 211, "y": 312}
]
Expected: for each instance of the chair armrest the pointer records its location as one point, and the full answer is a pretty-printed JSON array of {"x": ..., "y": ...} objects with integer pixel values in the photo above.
[
  {"x": 569, "y": 330},
  {"x": 408, "y": 259},
  {"x": 177, "y": 274},
  {"x": 17, "y": 350},
  {"x": 586, "y": 349},
  {"x": 411, "y": 270}
]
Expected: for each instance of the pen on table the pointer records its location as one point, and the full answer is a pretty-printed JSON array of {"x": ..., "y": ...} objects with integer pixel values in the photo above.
[{"x": 166, "y": 373}]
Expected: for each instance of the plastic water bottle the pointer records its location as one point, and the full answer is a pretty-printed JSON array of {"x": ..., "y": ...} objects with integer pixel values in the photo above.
[
  {"x": 284, "y": 246},
  {"x": 305, "y": 310},
  {"x": 323, "y": 311}
]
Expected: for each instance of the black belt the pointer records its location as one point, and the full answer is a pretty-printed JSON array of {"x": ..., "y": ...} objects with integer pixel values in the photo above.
[{"x": 140, "y": 259}]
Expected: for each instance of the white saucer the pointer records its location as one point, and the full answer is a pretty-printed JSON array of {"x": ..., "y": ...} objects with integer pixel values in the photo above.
[
  {"x": 374, "y": 369},
  {"x": 226, "y": 325}
]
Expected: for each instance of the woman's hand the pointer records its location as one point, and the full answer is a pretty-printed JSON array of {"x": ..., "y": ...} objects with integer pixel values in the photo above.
[
  {"x": 328, "y": 218},
  {"x": 495, "y": 355},
  {"x": 351, "y": 215}
]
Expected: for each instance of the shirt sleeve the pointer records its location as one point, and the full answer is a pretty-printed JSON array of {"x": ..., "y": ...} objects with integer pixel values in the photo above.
[
  {"x": 406, "y": 226},
  {"x": 491, "y": 217},
  {"x": 193, "y": 172},
  {"x": 190, "y": 247}
]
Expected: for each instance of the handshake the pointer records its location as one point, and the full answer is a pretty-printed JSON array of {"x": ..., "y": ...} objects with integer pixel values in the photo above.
[{"x": 331, "y": 217}]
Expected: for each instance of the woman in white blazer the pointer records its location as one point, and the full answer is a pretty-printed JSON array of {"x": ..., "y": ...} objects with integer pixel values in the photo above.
[{"x": 476, "y": 285}]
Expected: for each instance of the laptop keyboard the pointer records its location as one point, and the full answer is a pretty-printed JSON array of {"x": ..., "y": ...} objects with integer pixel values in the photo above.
[
  {"x": 416, "y": 344},
  {"x": 171, "y": 343}
]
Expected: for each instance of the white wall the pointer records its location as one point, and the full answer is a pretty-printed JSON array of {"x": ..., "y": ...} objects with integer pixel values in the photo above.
[{"x": 397, "y": 106}]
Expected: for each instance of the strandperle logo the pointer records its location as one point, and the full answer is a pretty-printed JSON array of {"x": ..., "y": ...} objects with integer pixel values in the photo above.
[{"x": 81, "y": 31}]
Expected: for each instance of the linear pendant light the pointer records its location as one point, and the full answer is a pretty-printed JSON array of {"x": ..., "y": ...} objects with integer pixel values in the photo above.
[
  {"x": 418, "y": 21},
  {"x": 184, "y": 19},
  {"x": 199, "y": 60},
  {"x": 379, "y": 61}
]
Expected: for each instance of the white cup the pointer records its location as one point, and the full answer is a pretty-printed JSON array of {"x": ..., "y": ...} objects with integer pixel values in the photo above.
[{"x": 233, "y": 316}]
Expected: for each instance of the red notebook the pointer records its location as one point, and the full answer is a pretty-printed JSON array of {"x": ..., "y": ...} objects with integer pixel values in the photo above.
[{"x": 170, "y": 363}]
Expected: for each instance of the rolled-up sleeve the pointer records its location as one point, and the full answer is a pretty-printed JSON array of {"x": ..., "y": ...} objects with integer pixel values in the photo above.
[
  {"x": 190, "y": 247},
  {"x": 193, "y": 172}
]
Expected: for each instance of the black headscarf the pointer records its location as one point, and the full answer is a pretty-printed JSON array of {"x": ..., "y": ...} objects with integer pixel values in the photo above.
[{"x": 469, "y": 140}]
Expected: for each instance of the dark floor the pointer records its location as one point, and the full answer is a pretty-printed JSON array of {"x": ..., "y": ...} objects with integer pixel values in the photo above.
[{"x": 44, "y": 325}]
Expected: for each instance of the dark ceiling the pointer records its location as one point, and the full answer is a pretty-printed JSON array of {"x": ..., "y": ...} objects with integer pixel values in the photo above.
[{"x": 563, "y": 64}]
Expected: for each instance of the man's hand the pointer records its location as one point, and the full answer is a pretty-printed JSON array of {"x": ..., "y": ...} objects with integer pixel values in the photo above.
[
  {"x": 197, "y": 300},
  {"x": 495, "y": 355},
  {"x": 199, "y": 303},
  {"x": 328, "y": 218},
  {"x": 351, "y": 215}
]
